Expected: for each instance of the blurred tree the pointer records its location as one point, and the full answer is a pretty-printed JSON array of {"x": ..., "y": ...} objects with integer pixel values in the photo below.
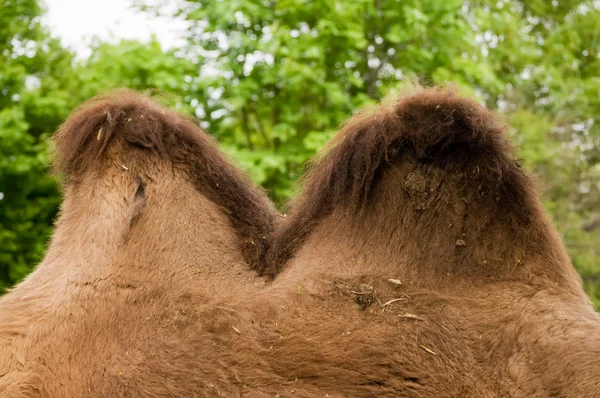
[
  {"x": 32, "y": 65},
  {"x": 139, "y": 66}
]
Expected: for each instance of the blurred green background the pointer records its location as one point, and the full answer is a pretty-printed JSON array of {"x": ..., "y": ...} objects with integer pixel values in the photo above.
[{"x": 273, "y": 79}]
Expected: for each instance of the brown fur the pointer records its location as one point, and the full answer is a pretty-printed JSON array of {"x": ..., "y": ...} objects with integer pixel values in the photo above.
[
  {"x": 418, "y": 263},
  {"x": 84, "y": 137},
  {"x": 426, "y": 192}
]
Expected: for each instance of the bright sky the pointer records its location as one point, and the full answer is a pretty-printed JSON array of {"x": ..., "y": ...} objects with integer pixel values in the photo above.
[{"x": 77, "y": 21}]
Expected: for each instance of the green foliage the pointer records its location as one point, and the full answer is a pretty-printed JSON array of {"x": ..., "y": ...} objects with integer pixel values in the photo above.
[
  {"x": 138, "y": 66},
  {"x": 272, "y": 80},
  {"x": 30, "y": 67}
]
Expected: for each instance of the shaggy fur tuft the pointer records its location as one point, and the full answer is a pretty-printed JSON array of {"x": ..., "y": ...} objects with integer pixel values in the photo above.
[
  {"x": 428, "y": 126},
  {"x": 138, "y": 122}
]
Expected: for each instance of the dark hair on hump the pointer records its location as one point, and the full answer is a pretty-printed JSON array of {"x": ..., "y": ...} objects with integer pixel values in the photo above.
[
  {"x": 142, "y": 123},
  {"x": 434, "y": 125}
]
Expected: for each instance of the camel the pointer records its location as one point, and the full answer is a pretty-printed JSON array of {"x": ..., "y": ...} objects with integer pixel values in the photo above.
[
  {"x": 417, "y": 261},
  {"x": 156, "y": 231}
]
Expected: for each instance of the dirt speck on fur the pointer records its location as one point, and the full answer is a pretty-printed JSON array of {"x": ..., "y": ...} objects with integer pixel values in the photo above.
[
  {"x": 416, "y": 187},
  {"x": 364, "y": 295}
]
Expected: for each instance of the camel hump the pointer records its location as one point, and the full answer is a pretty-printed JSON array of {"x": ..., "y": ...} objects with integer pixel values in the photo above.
[
  {"x": 140, "y": 121},
  {"x": 133, "y": 121},
  {"x": 434, "y": 125},
  {"x": 427, "y": 138}
]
